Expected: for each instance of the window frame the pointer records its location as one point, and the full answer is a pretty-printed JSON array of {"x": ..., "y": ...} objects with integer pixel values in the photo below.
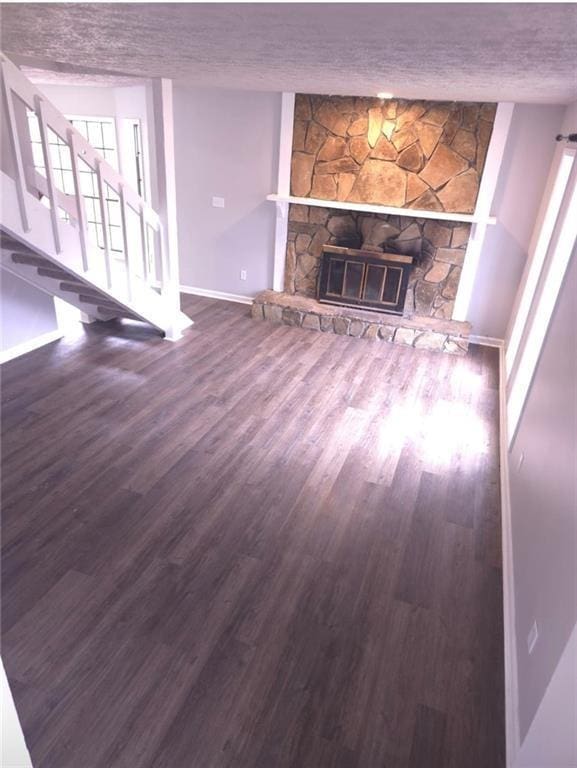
[{"x": 561, "y": 248}]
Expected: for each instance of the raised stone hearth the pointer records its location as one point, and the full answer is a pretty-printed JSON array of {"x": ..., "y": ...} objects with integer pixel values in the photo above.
[
  {"x": 438, "y": 247},
  {"x": 421, "y": 332}
]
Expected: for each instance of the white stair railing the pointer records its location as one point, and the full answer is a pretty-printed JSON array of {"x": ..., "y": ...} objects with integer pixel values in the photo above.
[{"x": 19, "y": 95}]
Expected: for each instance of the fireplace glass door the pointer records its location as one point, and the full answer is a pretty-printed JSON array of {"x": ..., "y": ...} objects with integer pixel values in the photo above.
[{"x": 359, "y": 278}]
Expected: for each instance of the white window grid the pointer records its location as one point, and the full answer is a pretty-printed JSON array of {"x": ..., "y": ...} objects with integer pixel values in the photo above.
[{"x": 101, "y": 134}]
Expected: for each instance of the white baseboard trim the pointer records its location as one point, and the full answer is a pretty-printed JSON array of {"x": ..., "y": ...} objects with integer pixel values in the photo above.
[
  {"x": 486, "y": 341},
  {"x": 30, "y": 345},
  {"x": 512, "y": 732},
  {"x": 236, "y": 297}
]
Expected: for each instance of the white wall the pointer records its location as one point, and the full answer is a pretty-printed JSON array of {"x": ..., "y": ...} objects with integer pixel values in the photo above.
[
  {"x": 14, "y": 752},
  {"x": 543, "y": 486},
  {"x": 25, "y": 312},
  {"x": 570, "y": 119},
  {"x": 122, "y": 103},
  {"x": 80, "y": 100},
  {"x": 552, "y": 738},
  {"x": 526, "y": 162},
  {"x": 226, "y": 146}
]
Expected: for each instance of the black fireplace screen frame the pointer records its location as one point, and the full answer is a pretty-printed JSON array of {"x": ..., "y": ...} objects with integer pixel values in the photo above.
[{"x": 356, "y": 278}]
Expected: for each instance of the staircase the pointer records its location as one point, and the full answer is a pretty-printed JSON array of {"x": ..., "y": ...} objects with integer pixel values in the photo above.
[{"x": 44, "y": 234}]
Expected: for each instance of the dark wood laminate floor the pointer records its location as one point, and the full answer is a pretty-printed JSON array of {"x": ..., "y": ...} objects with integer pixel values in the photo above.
[{"x": 260, "y": 547}]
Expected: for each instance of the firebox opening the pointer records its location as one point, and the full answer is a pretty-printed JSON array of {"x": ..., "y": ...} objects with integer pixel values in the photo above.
[{"x": 355, "y": 278}]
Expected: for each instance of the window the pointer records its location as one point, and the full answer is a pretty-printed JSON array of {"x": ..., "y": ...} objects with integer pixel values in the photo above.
[
  {"x": 59, "y": 154},
  {"x": 539, "y": 254},
  {"x": 101, "y": 134},
  {"x": 561, "y": 243}
]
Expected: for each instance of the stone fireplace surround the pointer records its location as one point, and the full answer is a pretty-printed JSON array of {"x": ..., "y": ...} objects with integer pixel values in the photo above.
[
  {"x": 439, "y": 244},
  {"x": 408, "y": 154},
  {"x": 426, "y": 322}
]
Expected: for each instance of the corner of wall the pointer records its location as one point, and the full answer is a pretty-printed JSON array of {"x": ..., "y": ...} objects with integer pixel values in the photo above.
[{"x": 28, "y": 317}]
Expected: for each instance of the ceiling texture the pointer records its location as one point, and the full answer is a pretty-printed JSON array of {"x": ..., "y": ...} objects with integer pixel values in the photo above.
[{"x": 472, "y": 52}]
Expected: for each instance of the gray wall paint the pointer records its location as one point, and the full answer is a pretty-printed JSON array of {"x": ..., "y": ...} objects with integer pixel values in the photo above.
[
  {"x": 92, "y": 101},
  {"x": 552, "y": 737},
  {"x": 544, "y": 506},
  {"x": 527, "y": 159},
  {"x": 25, "y": 312},
  {"x": 226, "y": 146}
]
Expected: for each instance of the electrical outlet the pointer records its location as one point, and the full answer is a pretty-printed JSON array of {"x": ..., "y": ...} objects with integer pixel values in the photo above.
[
  {"x": 243, "y": 274},
  {"x": 520, "y": 462},
  {"x": 532, "y": 637},
  {"x": 218, "y": 202}
]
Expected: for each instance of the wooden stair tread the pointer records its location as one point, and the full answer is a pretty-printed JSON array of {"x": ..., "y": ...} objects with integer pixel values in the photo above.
[
  {"x": 97, "y": 300},
  {"x": 55, "y": 273},
  {"x": 27, "y": 257},
  {"x": 69, "y": 287},
  {"x": 7, "y": 242}
]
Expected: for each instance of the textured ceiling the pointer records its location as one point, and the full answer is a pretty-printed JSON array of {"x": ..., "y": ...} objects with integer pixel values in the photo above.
[{"x": 480, "y": 52}]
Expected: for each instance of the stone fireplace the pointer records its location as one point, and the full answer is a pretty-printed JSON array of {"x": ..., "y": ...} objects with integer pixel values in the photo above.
[
  {"x": 377, "y": 162},
  {"x": 437, "y": 247}
]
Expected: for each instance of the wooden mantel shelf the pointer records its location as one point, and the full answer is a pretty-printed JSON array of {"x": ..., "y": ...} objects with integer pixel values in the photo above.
[{"x": 390, "y": 210}]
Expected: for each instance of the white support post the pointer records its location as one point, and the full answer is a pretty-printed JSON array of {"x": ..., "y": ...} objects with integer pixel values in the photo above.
[
  {"x": 482, "y": 213},
  {"x": 144, "y": 246},
  {"x": 80, "y": 210},
  {"x": 15, "y": 147},
  {"x": 87, "y": 319},
  {"x": 130, "y": 276},
  {"x": 52, "y": 196},
  {"x": 21, "y": 110},
  {"x": 105, "y": 223},
  {"x": 166, "y": 180},
  {"x": 284, "y": 172}
]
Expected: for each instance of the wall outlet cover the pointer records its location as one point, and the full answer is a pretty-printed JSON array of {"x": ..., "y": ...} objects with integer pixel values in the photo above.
[
  {"x": 218, "y": 202},
  {"x": 243, "y": 274}
]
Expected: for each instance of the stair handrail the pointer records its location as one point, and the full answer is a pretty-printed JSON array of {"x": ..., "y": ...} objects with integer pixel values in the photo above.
[{"x": 15, "y": 83}]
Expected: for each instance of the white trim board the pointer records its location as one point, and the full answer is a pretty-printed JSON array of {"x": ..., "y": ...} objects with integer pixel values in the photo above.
[
  {"x": 221, "y": 295},
  {"x": 415, "y": 213},
  {"x": 512, "y": 733},
  {"x": 285, "y": 147},
  {"x": 29, "y": 346},
  {"x": 486, "y": 341}
]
